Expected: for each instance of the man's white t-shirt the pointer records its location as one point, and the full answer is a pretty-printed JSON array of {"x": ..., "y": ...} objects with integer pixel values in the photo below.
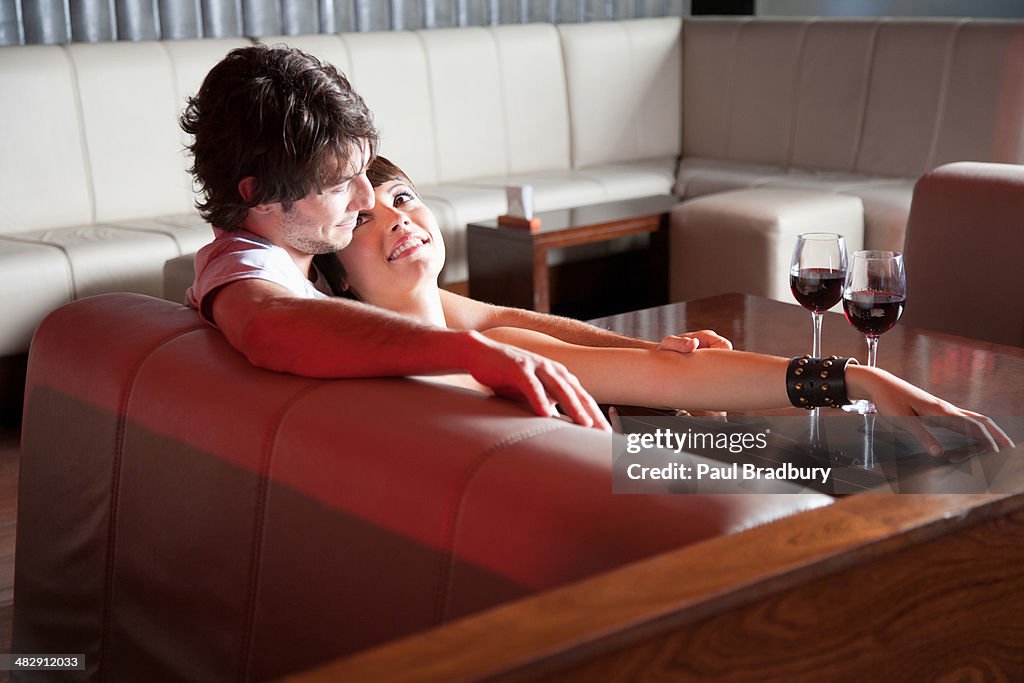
[{"x": 241, "y": 255}]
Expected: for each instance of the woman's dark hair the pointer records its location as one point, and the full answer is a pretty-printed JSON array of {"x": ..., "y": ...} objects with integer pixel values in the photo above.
[
  {"x": 380, "y": 171},
  {"x": 276, "y": 114}
]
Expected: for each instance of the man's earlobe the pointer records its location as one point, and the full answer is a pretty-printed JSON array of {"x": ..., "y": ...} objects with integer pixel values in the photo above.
[{"x": 247, "y": 187}]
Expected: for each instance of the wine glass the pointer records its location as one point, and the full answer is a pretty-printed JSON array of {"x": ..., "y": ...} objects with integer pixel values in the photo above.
[
  {"x": 874, "y": 296},
  {"x": 816, "y": 276}
]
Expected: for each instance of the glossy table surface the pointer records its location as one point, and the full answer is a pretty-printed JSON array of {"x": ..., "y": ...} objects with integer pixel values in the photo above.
[{"x": 977, "y": 375}]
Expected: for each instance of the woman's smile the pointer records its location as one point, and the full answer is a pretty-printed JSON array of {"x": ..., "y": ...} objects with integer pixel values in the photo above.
[{"x": 407, "y": 246}]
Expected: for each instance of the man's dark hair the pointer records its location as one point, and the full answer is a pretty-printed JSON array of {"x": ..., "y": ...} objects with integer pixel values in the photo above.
[{"x": 279, "y": 115}]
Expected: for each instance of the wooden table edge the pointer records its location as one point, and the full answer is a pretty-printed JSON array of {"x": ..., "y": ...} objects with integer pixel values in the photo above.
[{"x": 651, "y": 600}]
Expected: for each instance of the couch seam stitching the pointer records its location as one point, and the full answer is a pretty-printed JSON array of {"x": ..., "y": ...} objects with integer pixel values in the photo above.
[
  {"x": 868, "y": 76},
  {"x": 568, "y": 98},
  {"x": 156, "y": 230},
  {"x": 351, "y": 63},
  {"x": 433, "y": 105},
  {"x": 797, "y": 80},
  {"x": 631, "y": 48},
  {"x": 90, "y": 181},
  {"x": 122, "y": 419},
  {"x": 500, "y": 63},
  {"x": 454, "y": 508},
  {"x": 565, "y": 98},
  {"x": 59, "y": 247},
  {"x": 730, "y": 90},
  {"x": 947, "y": 74},
  {"x": 249, "y": 632}
]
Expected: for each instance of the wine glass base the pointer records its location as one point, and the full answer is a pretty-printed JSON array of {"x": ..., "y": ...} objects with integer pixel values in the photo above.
[{"x": 861, "y": 407}]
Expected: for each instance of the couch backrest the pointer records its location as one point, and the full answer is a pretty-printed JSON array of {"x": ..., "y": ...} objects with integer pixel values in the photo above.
[
  {"x": 533, "y": 94},
  {"x": 624, "y": 82},
  {"x": 44, "y": 156},
  {"x": 986, "y": 75},
  {"x": 458, "y": 104},
  {"x": 469, "y": 116},
  {"x": 389, "y": 70},
  {"x": 128, "y": 107},
  {"x": 882, "y": 97},
  {"x": 93, "y": 130},
  {"x": 885, "y": 97},
  {"x": 221, "y": 522}
]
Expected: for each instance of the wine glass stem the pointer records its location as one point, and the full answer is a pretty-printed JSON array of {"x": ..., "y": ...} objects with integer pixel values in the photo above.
[
  {"x": 816, "y": 344},
  {"x": 872, "y": 350},
  {"x": 816, "y": 348}
]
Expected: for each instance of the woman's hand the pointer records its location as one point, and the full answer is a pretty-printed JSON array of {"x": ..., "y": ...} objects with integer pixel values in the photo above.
[
  {"x": 691, "y": 341},
  {"x": 894, "y": 396}
]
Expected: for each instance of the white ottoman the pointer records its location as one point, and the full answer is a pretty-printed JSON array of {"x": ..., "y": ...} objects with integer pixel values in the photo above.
[{"x": 742, "y": 241}]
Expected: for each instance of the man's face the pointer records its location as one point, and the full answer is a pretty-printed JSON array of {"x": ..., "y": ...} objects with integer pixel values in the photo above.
[{"x": 321, "y": 223}]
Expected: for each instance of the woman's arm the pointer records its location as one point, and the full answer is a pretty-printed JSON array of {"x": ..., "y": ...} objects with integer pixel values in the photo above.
[
  {"x": 710, "y": 379},
  {"x": 713, "y": 379},
  {"x": 468, "y": 314}
]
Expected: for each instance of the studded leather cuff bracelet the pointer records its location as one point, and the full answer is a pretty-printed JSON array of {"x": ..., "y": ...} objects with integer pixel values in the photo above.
[{"x": 817, "y": 382}]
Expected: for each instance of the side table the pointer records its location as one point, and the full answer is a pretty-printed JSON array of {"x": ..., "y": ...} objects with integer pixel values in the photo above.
[{"x": 509, "y": 266}]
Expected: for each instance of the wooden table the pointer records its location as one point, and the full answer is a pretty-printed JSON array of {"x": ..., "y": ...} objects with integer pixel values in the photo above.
[
  {"x": 510, "y": 266},
  {"x": 891, "y": 587},
  {"x": 978, "y": 375}
]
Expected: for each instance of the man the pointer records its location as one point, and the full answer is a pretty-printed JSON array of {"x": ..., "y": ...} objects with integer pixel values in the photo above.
[{"x": 281, "y": 145}]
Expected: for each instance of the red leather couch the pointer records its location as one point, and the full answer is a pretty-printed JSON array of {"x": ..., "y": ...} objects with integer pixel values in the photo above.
[{"x": 186, "y": 516}]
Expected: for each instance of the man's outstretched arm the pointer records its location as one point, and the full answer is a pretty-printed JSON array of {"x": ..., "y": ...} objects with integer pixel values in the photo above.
[
  {"x": 343, "y": 338},
  {"x": 469, "y": 314}
]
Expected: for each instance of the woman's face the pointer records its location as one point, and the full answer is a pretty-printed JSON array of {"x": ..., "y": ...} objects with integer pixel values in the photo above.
[{"x": 396, "y": 246}]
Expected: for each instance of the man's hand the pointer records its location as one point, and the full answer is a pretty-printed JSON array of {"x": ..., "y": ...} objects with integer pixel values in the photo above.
[
  {"x": 691, "y": 341},
  {"x": 541, "y": 382}
]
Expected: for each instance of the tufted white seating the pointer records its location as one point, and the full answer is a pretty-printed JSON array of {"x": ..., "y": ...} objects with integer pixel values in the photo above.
[
  {"x": 97, "y": 146},
  {"x": 503, "y": 90},
  {"x": 853, "y": 107},
  {"x": 93, "y": 194}
]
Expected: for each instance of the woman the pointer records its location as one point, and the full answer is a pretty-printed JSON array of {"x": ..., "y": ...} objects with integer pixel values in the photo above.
[{"x": 397, "y": 252}]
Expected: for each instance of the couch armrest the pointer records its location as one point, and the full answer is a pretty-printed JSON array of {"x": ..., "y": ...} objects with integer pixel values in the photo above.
[{"x": 964, "y": 242}]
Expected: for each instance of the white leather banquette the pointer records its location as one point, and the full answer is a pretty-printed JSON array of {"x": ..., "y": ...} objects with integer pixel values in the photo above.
[{"x": 94, "y": 196}]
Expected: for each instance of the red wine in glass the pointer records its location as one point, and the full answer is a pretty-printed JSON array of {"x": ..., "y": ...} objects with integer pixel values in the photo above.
[
  {"x": 873, "y": 313},
  {"x": 816, "y": 275},
  {"x": 817, "y": 289},
  {"x": 873, "y": 299}
]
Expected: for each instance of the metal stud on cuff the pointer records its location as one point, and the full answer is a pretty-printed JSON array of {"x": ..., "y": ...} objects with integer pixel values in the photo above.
[{"x": 817, "y": 382}]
